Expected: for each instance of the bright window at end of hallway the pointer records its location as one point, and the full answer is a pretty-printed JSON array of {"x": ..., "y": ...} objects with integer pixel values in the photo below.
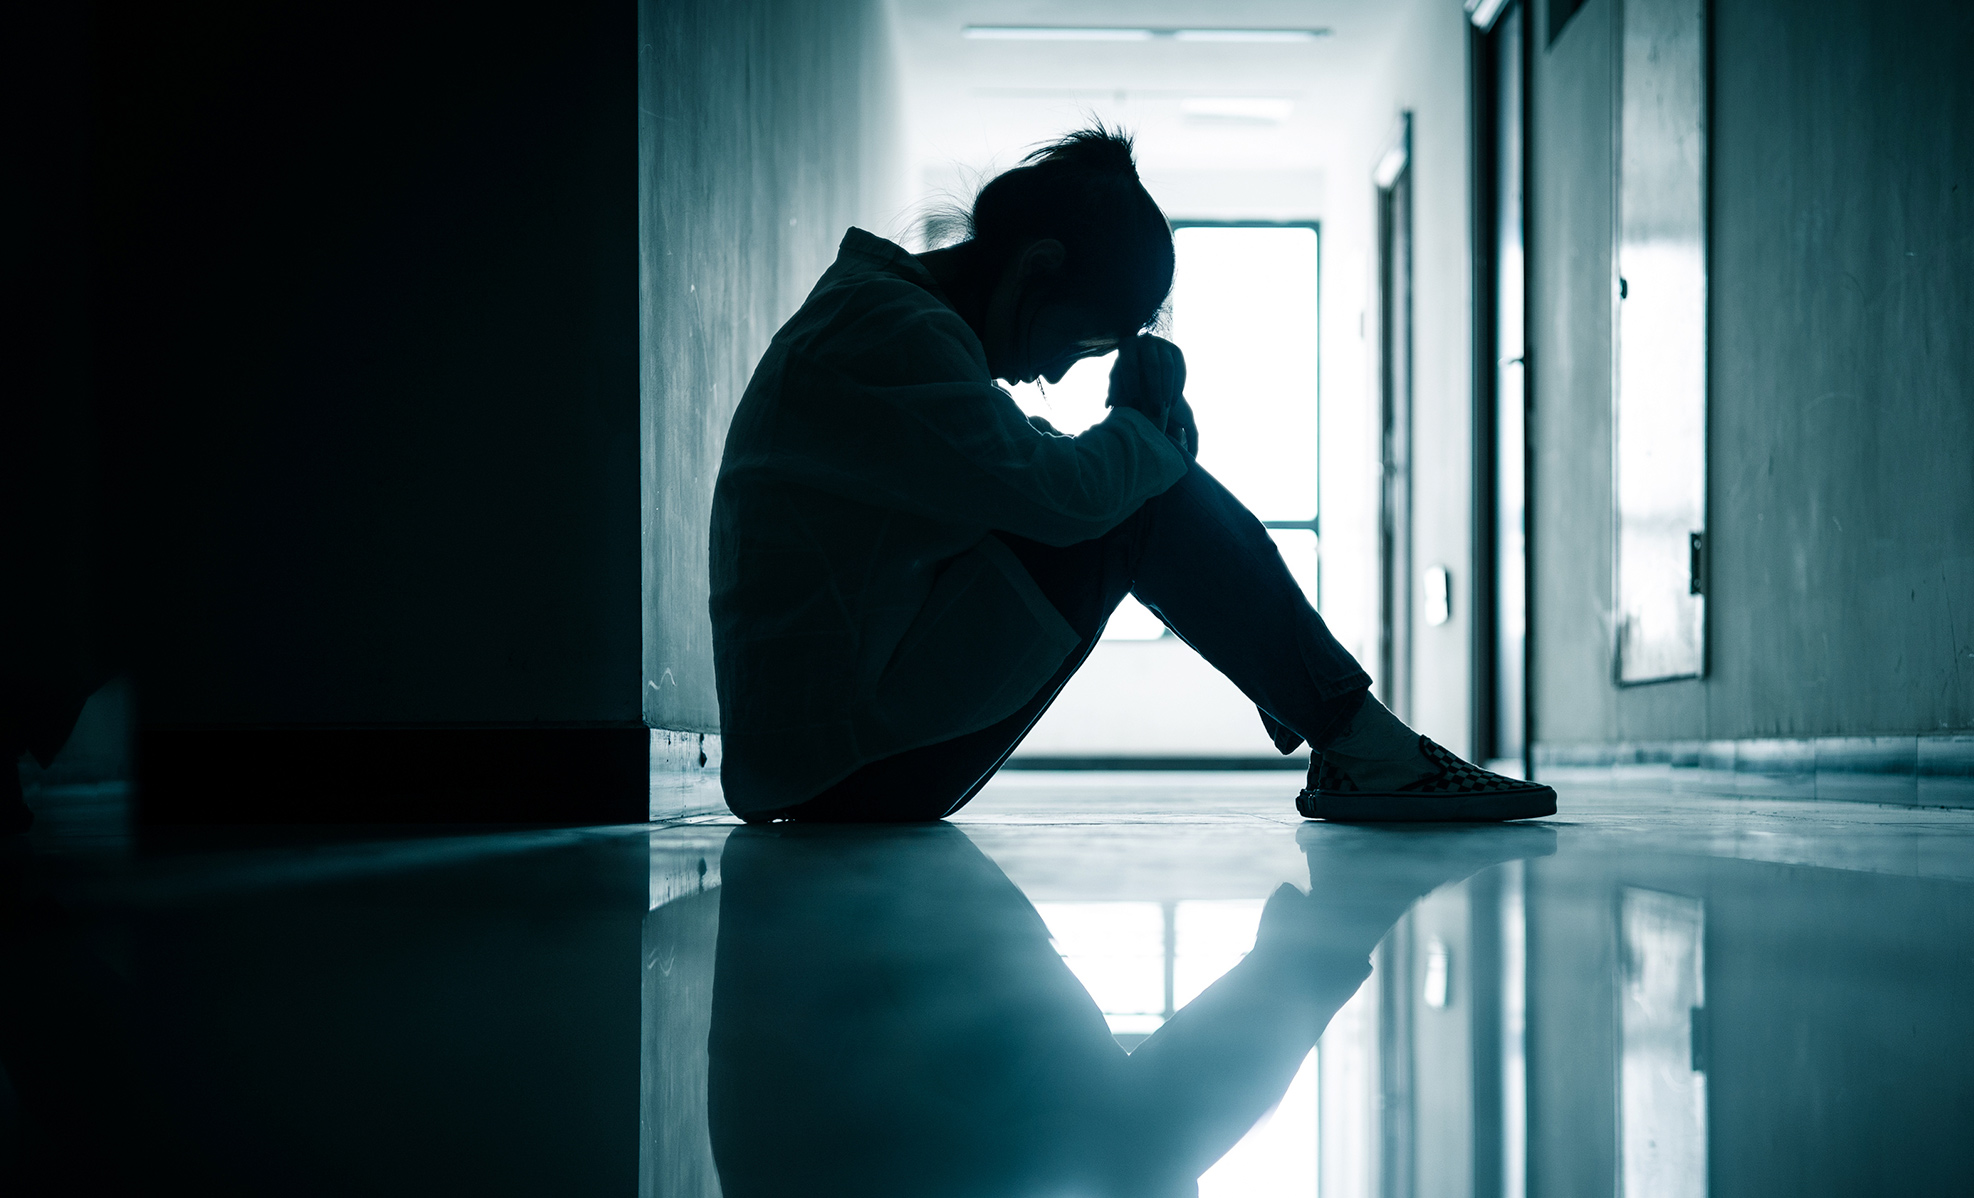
[{"x": 1244, "y": 310}]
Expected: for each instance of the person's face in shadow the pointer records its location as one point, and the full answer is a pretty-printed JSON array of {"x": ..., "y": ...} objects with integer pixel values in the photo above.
[{"x": 1031, "y": 330}]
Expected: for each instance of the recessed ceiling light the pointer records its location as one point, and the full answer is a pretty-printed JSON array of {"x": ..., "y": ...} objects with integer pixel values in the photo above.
[{"x": 1132, "y": 33}]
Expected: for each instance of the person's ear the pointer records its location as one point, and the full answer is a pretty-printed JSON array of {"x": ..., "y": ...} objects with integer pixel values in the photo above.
[{"x": 1042, "y": 259}]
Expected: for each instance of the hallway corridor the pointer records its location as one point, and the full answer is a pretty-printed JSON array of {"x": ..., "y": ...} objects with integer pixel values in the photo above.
[{"x": 452, "y": 460}]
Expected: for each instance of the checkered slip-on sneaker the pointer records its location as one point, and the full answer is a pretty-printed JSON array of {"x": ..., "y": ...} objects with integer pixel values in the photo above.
[{"x": 1454, "y": 792}]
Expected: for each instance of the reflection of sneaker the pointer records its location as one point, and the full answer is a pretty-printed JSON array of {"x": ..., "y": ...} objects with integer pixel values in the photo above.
[
  {"x": 1425, "y": 858},
  {"x": 1454, "y": 791},
  {"x": 1365, "y": 877}
]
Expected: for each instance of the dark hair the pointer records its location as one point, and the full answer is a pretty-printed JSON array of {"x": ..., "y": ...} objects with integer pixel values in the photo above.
[{"x": 1083, "y": 191}]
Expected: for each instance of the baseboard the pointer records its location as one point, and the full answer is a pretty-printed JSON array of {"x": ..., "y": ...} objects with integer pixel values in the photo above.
[
  {"x": 1909, "y": 771},
  {"x": 685, "y": 775},
  {"x": 1297, "y": 762},
  {"x": 540, "y": 775}
]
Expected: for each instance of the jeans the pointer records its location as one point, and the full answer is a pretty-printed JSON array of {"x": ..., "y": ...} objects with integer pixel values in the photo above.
[{"x": 1209, "y": 569}]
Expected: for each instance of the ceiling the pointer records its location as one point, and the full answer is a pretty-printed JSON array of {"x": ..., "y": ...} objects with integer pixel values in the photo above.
[{"x": 978, "y": 104}]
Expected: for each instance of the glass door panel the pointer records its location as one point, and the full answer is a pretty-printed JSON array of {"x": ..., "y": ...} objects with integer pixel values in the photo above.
[{"x": 1661, "y": 385}]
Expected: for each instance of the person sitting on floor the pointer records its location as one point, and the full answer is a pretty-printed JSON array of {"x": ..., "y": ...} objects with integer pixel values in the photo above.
[{"x": 906, "y": 569}]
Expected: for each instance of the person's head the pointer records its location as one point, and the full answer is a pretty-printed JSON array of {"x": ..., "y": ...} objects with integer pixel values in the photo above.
[{"x": 1070, "y": 256}]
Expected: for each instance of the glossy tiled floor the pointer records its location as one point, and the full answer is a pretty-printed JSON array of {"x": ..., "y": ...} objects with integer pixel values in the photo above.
[{"x": 1646, "y": 995}]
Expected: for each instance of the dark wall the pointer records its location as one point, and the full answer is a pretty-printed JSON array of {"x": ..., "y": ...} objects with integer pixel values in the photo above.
[
  {"x": 766, "y": 128},
  {"x": 333, "y": 415},
  {"x": 52, "y": 650},
  {"x": 365, "y": 361},
  {"x": 413, "y": 1016},
  {"x": 1841, "y": 378}
]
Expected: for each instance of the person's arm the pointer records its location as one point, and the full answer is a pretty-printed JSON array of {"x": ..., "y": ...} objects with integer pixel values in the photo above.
[
  {"x": 1150, "y": 377},
  {"x": 1182, "y": 428},
  {"x": 961, "y": 451}
]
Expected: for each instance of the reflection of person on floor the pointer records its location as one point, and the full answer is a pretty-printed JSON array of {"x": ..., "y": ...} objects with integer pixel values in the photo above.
[
  {"x": 889, "y": 1017},
  {"x": 906, "y": 570}
]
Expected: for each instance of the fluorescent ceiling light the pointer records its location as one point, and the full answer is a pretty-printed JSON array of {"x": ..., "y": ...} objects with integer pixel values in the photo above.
[
  {"x": 1128, "y": 33},
  {"x": 1249, "y": 35},
  {"x": 1054, "y": 33},
  {"x": 1484, "y": 12},
  {"x": 1390, "y": 165},
  {"x": 1265, "y": 110}
]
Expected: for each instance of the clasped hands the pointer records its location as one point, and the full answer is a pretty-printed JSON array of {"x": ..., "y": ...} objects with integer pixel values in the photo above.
[{"x": 1150, "y": 378}]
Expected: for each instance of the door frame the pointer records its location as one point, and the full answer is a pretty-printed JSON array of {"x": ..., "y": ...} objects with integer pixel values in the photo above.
[
  {"x": 1392, "y": 177},
  {"x": 1484, "y": 145}
]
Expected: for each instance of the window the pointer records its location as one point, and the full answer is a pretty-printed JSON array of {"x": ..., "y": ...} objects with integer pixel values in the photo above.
[
  {"x": 1244, "y": 310},
  {"x": 1142, "y": 961}
]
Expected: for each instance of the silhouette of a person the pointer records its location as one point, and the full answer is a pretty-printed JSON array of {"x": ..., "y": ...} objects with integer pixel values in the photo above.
[
  {"x": 906, "y": 570},
  {"x": 890, "y": 1018}
]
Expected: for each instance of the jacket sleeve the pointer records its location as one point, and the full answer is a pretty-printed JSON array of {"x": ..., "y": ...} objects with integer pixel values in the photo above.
[{"x": 959, "y": 450}]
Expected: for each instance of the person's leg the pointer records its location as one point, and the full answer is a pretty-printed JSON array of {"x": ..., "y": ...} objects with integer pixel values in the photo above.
[
  {"x": 1212, "y": 572},
  {"x": 1084, "y": 582}
]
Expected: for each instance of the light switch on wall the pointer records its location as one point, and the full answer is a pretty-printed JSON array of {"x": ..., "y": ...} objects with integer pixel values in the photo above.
[{"x": 1438, "y": 596}]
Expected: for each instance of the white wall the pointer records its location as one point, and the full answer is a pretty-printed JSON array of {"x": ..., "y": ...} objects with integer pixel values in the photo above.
[
  {"x": 766, "y": 128},
  {"x": 1426, "y": 74},
  {"x": 1423, "y": 71}
]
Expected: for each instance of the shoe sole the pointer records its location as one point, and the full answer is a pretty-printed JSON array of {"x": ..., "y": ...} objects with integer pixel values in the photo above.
[{"x": 1400, "y": 807}]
